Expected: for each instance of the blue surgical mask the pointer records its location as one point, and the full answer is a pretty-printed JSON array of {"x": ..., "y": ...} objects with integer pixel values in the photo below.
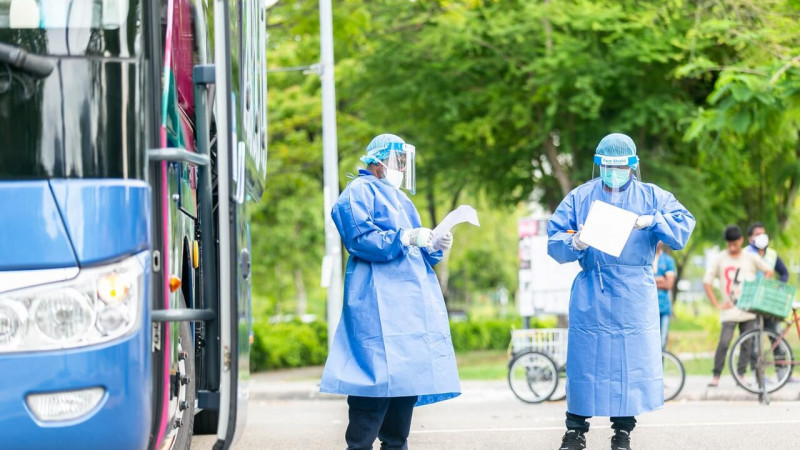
[{"x": 615, "y": 178}]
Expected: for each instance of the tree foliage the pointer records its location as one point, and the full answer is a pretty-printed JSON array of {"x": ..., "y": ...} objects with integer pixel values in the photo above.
[{"x": 508, "y": 99}]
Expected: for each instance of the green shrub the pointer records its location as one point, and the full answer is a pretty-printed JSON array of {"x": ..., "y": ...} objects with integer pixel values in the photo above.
[
  {"x": 489, "y": 334},
  {"x": 289, "y": 344},
  {"x": 297, "y": 344},
  {"x": 467, "y": 336},
  {"x": 694, "y": 317},
  {"x": 544, "y": 322}
]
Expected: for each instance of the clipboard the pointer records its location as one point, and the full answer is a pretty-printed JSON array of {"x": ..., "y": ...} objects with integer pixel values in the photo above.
[{"x": 608, "y": 227}]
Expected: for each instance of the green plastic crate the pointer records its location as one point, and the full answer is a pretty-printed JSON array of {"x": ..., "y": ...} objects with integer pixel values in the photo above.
[{"x": 767, "y": 296}]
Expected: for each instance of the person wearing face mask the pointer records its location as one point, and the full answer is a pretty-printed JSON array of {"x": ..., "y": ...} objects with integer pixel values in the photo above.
[
  {"x": 614, "y": 366},
  {"x": 759, "y": 245},
  {"x": 732, "y": 267},
  {"x": 392, "y": 348}
]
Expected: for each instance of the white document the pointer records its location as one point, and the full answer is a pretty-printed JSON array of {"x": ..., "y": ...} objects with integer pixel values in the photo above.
[
  {"x": 608, "y": 228},
  {"x": 463, "y": 213}
]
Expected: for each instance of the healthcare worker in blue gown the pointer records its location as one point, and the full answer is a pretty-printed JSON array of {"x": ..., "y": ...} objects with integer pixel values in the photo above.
[
  {"x": 392, "y": 348},
  {"x": 614, "y": 366}
]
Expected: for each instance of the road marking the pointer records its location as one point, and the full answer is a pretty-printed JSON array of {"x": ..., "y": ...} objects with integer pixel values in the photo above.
[{"x": 654, "y": 425}]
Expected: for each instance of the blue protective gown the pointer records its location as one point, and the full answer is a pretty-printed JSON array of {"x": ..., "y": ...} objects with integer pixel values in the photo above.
[
  {"x": 614, "y": 347},
  {"x": 393, "y": 339}
]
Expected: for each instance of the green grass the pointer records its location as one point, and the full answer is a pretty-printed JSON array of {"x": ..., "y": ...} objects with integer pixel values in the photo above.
[
  {"x": 702, "y": 366},
  {"x": 483, "y": 365},
  {"x": 699, "y": 316},
  {"x": 692, "y": 341},
  {"x": 688, "y": 334},
  {"x": 493, "y": 365}
]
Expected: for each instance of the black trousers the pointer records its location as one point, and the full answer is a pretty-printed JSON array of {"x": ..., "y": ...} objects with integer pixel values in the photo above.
[
  {"x": 725, "y": 337},
  {"x": 576, "y": 422},
  {"x": 374, "y": 417}
]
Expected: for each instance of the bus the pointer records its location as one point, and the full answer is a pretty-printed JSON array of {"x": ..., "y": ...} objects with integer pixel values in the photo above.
[{"x": 132, "y": 146}]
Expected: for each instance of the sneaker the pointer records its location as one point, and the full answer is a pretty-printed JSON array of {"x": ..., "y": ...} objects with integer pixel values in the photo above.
[
  {"x": 573, "y": 440},
  {"x": 621, "y": 440}
]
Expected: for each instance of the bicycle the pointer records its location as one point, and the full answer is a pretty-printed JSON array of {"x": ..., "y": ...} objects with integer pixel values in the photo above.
[
  {"x": 532, "y": 376},
  {"x": 537, "y": 368},
  {"x": 774, "y": 358},
  {"x": 674, "y": 375},
  {"x": 538, "y": 360},
  {"x": 765, "y": 351}
]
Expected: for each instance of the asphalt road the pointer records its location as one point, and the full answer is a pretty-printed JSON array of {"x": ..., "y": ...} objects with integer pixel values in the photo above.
[{"x": 289, "y": 414}]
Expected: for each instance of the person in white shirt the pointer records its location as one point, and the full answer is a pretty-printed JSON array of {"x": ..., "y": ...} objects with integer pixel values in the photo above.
[{"x": 732, "y": 267}]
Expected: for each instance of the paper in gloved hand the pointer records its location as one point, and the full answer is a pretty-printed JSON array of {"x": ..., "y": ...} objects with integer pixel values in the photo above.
[
  {"x": 607, "y": 227},
  {"x": 463, "y": 213}
]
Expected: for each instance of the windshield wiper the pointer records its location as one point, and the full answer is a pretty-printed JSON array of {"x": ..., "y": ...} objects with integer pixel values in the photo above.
[{"x": 33, "y": 64}]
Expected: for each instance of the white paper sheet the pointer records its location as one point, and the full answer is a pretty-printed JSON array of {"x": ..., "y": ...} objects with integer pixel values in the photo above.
[
  {"x": 463, "y": 213},
  {"x": 608, "y": 228}
]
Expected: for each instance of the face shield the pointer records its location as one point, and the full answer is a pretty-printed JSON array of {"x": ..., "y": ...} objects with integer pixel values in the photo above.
[
  {"x": 400, "y": 166},
  {"x": 616, "y": 171}
]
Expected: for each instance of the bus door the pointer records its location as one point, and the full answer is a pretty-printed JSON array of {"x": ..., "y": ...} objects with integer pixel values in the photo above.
[{"x": 240, "y": 55}]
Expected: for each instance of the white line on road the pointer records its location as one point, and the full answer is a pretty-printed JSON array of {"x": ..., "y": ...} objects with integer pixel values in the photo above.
[{"x": 654, "y": 425}]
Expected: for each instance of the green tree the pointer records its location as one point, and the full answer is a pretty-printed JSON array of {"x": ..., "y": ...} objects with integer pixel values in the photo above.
[
  {"x": 747, "y": 134},
  {"x": 509, "y": 98}
]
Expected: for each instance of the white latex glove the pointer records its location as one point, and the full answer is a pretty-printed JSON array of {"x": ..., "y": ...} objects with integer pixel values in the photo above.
[
  {"x": 419, "y": 237},
  {"x": 577, "y": 243},
  {"x": 643, "y": 222},
  {"x": 444, "y": 242}
]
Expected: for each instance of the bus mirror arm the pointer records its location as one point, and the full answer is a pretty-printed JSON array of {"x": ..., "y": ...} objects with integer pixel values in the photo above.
[
  {"x": 183, "y": 315},
  {"x": 31, "y": 63},
  {"x": 178, "y": 155}
]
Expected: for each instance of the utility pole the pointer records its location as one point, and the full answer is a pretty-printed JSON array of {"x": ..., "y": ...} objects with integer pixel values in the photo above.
[{"x": 332, "y": 264}]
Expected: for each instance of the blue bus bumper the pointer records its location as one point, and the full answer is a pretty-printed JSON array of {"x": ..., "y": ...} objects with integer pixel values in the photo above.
[{"x": 120, "y": 421}]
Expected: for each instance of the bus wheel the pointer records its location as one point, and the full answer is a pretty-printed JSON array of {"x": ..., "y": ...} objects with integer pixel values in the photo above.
[{"x": 183, "y": 384}]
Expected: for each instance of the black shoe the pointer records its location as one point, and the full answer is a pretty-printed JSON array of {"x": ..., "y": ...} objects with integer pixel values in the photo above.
[
  {"x": 621, "y": 440},
  {"x": 573, "y": 440}
]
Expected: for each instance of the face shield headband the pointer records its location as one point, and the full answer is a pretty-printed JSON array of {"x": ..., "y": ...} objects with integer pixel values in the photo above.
[{"x": 616, "y": 170}]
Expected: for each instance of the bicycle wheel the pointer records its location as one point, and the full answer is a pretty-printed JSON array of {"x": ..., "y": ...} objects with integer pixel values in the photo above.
[
  {"x": 674, "y": 375},
  {"x": 762, "y": 348},
  {"x": 532, "y": 376},
  {"x": 561, "y": 389}
]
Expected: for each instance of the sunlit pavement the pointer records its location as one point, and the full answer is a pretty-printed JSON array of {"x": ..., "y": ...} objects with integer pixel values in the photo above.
[{"x": 287, "y": 412}]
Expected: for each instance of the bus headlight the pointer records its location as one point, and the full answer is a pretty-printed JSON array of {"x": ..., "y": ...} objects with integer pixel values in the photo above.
[
  {"x": 110, "y": 320},
  {"x": 13, "y": 322},
  {"x": 63, "y": 315},
  {"x": 100, "y": 304}
]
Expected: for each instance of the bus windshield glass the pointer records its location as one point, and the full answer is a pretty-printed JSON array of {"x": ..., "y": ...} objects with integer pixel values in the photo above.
[{"x": 71, "y": 27}]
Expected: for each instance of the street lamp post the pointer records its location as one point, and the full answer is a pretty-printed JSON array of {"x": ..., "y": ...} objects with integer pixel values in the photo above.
[{"x": 332, "y": 264}]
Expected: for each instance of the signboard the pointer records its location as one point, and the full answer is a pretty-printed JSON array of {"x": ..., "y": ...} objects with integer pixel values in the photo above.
[{"x": 544, "y": 284}]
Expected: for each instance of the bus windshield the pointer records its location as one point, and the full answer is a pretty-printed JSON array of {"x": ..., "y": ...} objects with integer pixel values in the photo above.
[{"x": 71, "y": 27}]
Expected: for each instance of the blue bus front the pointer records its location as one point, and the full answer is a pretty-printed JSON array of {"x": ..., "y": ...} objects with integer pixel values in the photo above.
[{"x": 75, "y": 229}]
